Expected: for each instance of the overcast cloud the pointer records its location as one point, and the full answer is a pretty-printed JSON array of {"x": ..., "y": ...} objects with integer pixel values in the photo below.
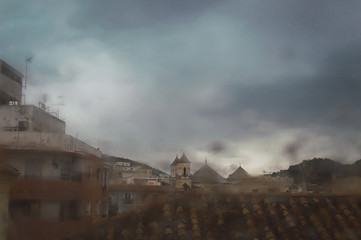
[{"x": 262, "y": 84}]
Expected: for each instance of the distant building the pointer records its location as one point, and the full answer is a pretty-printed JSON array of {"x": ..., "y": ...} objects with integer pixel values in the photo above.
[
  {"x": 343, "y": 185},
  {"x": 206, "y": 178},
  {"x": 260, "y": 185},
  {"x": 238, "y": 175},
  {"x": 180, "y": 172},
  {"x": 126, "y": 171},
  {"x": 242, "y": 182}
]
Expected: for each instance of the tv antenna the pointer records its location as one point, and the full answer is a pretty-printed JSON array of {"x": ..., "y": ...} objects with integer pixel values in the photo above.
[{"x": 27, "y": 61}]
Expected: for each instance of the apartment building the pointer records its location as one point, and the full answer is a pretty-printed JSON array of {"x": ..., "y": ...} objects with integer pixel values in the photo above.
[{"x": 61, "y": 187}]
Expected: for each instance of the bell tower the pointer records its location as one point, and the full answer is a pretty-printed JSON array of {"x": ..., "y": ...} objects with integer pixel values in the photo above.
[{"x": 180, "y": 172}]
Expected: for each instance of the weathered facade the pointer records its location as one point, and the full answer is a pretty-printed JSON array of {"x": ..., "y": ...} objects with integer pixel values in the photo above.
[
  {"x": 55, "y": 186},
  {"x": 61, "y": 186}
]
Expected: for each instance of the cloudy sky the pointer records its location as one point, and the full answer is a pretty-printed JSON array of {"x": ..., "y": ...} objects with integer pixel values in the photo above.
[{"x": 262, "y": 84}]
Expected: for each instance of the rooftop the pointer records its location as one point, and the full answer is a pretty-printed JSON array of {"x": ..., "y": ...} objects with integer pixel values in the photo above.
[
  {"x": 182, "y": 159},
  {"x": 206, "y": 174},
  {"x": 230, "y": 216},
  {"x": 238, "y": 174}
]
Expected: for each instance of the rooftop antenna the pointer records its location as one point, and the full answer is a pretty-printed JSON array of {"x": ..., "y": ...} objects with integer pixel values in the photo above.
[
  {"x": 27, "y": 61},
  {"x": 60, "y": 103}
]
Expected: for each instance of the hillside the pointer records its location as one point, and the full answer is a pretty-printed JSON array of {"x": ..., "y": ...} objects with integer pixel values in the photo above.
[
  {"x": 155, "y": 171},
  {"x": 320, "y": 170}
]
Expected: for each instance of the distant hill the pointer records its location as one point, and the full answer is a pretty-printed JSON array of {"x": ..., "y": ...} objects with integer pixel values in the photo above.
[
  {"x": 319, "y": 170},
  {"x": 113, "y": 159}
]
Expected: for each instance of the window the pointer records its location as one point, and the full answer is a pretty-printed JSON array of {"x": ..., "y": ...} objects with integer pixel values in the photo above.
[
  {"x": 128, "y": 198},
  {"x": 105, "y": 179},
  {"x": 97, "y": 208},
  {"x": 23, "y": 125},
  {"x": 87, "y": 208},
  {"x": 24, "y": 209},
  {"x": 90, "y": 172},
  {"x": 10, "y": 74},
  {"x": 33, "y": 169},
  {"x": 98, "y": 174},
  {"x": 143, "y": 197},
  {"x": 64, "y": 170}
]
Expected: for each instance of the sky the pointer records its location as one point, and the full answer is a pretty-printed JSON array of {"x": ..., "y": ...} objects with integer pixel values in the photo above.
[{"x": 257, "y": 84}]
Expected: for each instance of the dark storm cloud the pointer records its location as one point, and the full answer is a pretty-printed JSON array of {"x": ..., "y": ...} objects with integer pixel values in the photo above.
[
  {"x": 217, "y": 147},
  {"x": 194, "y": 72},
  {"x": 133, "y": 14},
  {"x": 329, "y": 97}
]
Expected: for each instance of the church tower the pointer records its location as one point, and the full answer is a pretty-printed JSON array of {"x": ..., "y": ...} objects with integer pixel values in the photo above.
[{"x": 180, "y": 172}]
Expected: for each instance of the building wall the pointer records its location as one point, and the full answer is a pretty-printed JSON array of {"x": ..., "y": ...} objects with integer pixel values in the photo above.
[
  {"x": 263, "y": 185},
  {"x": 55, "y": 186},
  {"x": 29, "y": 118},
  {"x": 180, "y": 175},
  {"x": 7, "y": 177},
  {"x": 179, "y": 183},
  {"x": 178, "y": 169},
  {"x": 45, "y": 165},
  {"x": 10, "y": 84},
  {"x": 130, "y": 197},
  {"x": 43, "y": 140}
]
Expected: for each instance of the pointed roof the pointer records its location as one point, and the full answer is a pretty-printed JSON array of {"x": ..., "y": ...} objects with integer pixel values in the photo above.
[
  {"x": 182, "y": 159},
  {"x": 239, "y": 173},
  {"x": 176, "y": 160},
  {"x": 206, "y": 174}
]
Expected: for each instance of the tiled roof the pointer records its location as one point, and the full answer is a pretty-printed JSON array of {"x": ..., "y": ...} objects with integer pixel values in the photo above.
[
  {"x": 207, "y": 175},
  {"x": 182, "y": 159},
  {"x": 176, "y": 160},
  {"x": 231, "y": 216},
  {"x": 238, "y": 174}
]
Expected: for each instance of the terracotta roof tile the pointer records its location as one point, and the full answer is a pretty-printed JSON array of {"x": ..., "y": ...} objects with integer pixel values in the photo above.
[{"x": 245, "y": 217}]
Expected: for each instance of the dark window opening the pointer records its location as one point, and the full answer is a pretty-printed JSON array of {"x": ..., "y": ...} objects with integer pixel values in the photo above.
[
  {"x": 10, "y": 74},
  {"x": 90, "y": 171},
  {"x": 128, "y": 198},
  {"x": 98, "y": 174}
]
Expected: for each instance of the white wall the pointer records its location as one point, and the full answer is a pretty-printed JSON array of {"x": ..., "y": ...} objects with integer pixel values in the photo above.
[
  {"x": 49, "y": 141},
  {"x": 38, "y": 120}
]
